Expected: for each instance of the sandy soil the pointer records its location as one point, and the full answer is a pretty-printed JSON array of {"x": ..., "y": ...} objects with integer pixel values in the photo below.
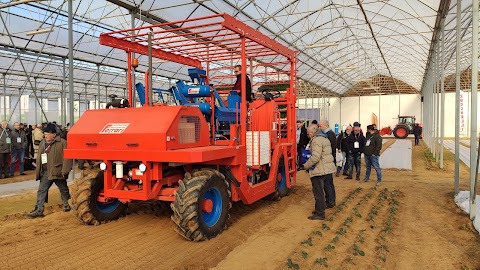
[
  {"x": 19, "y": 178},
  {"x": 425, "y": 231}
]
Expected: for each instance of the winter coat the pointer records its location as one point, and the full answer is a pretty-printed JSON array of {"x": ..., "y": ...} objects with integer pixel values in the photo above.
[
  {"x": 417, "y": 130},
  {"x": 4, "y": 146},
  {"x": 375, "y": 145},
  {"x": 37, "y": 136},
  {"x": 322, "y": 158},
  {"x": 57, "y": 166},
  {"x": 351, "y": 143},
  {"x": 342, "y": 142},
  {"x": 15, "y": 134}
]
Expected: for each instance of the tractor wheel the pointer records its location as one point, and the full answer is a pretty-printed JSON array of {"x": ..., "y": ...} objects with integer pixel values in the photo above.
[
  {"x": 86, "y": 208},
  {"x": 400, "y": 132},
  {"x": 202, "y": 202},
  {"x": 281, "y": 189}
]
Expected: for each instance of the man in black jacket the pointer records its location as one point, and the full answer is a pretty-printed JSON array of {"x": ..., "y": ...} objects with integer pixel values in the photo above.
[
  {"x": 329, "y": 187},
  {"x": 342, "y": 146},
  {"x": 302, "y": 142},
  {"x": 19, "y": 143},
  {"x": 373, "y": 146},
  {"x": 356, "y": 144},
  {"x": 238, "y": 83},
  {"x": 417, "y": 131}
]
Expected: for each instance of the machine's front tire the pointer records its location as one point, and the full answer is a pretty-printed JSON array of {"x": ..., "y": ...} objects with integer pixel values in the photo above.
[
  {"x": 200, "y": 209},
  {"x": 400, "y": 132},
  {"x": 86, "y": 208}
]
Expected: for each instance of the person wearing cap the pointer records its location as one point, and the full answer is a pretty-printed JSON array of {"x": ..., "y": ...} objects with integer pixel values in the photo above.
[
  {"x": 51, "y": 168},
  {"x": 19, "y": 143},
  {"x": 373, "y": 145},
  {"x": 357, "y": 124},
  {"x": 5, "y": 145}
]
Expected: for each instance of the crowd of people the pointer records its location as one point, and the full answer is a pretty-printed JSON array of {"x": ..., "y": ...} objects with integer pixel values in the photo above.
[
  {"x": 21, "y": 142},
  {"x": 322, "y": 154}
]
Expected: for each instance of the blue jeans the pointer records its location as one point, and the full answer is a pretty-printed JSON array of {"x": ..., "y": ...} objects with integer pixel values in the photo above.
[
  {"x": 417, "y": 139},
  {"x": 17, "y": 154},
  {"x": 329, "y": 189},
  {"x": 354, "y": 159},
  {"x": 373, "y": 161}
]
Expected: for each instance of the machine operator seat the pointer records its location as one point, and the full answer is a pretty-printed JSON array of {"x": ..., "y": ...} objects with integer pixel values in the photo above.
[{"x": 117, "y": 103}]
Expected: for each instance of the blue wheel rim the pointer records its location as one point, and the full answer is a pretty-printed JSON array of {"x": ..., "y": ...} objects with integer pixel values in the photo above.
[
  {"x": 283, "y": 182},
  {"x": 214, "y": 195},
  {"x": 106, "y": 208}
]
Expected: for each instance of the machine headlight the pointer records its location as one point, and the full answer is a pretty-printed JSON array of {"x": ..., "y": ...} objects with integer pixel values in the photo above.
[
  {"x": 103, "y": 166},
  {"x": 142, "y": 167}
]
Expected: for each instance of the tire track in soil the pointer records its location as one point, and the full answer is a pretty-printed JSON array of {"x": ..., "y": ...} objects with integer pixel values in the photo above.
[{"x": 139, "y": 240}]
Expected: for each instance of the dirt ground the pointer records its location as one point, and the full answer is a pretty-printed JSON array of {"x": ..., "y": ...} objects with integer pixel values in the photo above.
[{"x": 409, "y": 222}]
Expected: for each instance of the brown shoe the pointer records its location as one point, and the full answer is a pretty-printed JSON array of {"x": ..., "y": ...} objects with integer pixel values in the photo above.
[{"x": 337, "y": 174}]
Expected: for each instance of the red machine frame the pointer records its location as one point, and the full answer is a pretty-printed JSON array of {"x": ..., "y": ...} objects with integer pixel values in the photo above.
[{"x": 193, "y": 42}]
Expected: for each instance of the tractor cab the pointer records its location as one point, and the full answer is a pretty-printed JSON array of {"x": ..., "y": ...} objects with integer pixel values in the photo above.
[{"x": 407, "y": 121}]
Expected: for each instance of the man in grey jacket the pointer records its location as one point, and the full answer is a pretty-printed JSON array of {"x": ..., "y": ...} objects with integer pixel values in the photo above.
[
  {"x": 19, "y": 143},
  {"x": 319, "y": 166},
  {"x": 5, "y": 145}
]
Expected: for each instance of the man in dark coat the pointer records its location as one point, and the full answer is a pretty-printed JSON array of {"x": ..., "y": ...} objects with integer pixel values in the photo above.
[
  {"x": 417, "y": 131},
  {"x": 302, "y": 142},
  {"x": 330, "y": 195},
  {"x": 51, "y": 168},
  {"x": 5, "y": 145},
  {"x": 19, "y": 143},
  {"x": 342, "y": 146},
  {"x": 356, "y": 144},
  {"x": 373, "y": 145},
  {"x": 238, "y": 83}
]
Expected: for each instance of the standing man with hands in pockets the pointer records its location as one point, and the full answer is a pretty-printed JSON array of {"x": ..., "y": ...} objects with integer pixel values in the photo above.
[
  {"x": 372, "y": 153},
  {"x": 51, "y": 168},
  {"x": 320, "y": 165}
]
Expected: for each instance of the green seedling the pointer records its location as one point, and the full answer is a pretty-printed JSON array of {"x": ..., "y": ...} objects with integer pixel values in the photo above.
[
  {"x": 330, "y": 247},
  {"x": 325, "y": 227},
  {"x": 357, "y": 251},
  {"x": 361, "y": 239},
  {"x": 335, "y": 239},
  {"x": 308, "y": 241},
  {"x": 319, "y": 233},
  {"x": 358, "y": 215},
  {"x": 342, "y": 231},
  {"x": 322, "y": 261},
  {"x": 383, "y": 258},
  {"x": 291, "y": 264},
  {"x": 304, "y": 254}
]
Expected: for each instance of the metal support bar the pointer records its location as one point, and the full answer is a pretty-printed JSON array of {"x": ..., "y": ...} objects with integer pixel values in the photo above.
[
  {"x": 97, "y": 104},
  {"x": 473, "y": 108},
  {"x": 442, "y": 88},
  {"x": 4, "y": 97},
  {"x": 70, "y": 61},
  {"x": 457, "y": 98}
]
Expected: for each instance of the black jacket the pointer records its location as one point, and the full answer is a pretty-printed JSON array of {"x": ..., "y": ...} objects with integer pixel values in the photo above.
[
  {"x": 303, "y": 137},
  {"x": 417, "y": 130},
  {"x": 333, "y": 142},
  {"x": 351, "y": 143},
  {"x": 18, "y": 143},
  {"x": 238, "y": 86},
  {"x": 375, "y": 144},
  {"x": 342, "y": 142}
]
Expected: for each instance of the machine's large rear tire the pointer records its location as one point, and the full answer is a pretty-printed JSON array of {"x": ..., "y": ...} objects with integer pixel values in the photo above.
[
  {"x": 400, "y": 132},
  {"x": 200, "y": 209},
  {"x": 86, "y": 208}
]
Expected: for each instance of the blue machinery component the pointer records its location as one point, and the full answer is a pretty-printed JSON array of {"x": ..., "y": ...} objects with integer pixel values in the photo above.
[{"x": 190, "y": 95}]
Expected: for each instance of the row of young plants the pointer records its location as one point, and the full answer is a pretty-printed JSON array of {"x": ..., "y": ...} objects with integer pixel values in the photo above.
[
  {"x": 309, "y": 242},
  {"x": 356, "y": 249},
  {"x": 382, "y": 248}
]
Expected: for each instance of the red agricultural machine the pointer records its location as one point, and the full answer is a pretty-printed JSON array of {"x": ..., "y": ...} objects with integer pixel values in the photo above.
[
  {"x": 402, "y": 129},
  {"x": 203, "y": 154}
]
